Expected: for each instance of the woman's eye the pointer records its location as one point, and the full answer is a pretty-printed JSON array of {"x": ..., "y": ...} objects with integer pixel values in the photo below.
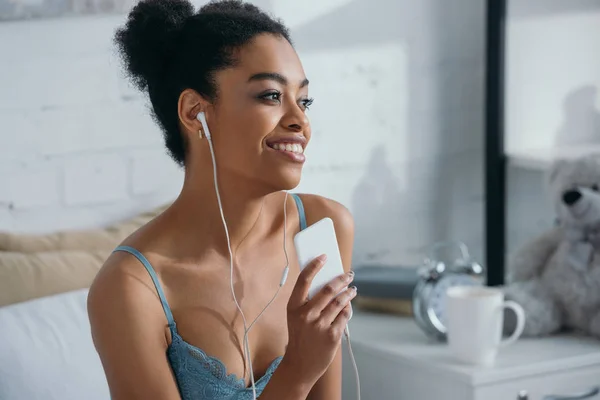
[
  {"x": 274, "y": 96},
  {"x": 307, "y": 103}
]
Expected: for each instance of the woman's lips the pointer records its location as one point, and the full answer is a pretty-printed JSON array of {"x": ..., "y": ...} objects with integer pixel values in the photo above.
[
  {"x": 291, "y": 147},
  {"x": 295, "y": 152}
]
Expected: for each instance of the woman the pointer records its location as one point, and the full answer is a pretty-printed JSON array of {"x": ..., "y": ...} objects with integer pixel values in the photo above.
[{"x": 163, "y": 317}]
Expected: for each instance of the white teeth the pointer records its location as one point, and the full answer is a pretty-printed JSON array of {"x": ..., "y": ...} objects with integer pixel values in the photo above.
[{"x": 291, "y": 147}]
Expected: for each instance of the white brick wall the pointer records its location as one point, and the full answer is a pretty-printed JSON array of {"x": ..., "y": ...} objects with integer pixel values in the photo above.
[
  {"x": 399, "y": 97},
  {"x": 29, "y": 185},
  {"x": 97, "y": 179},
  {"x": 77, "y": 146}
]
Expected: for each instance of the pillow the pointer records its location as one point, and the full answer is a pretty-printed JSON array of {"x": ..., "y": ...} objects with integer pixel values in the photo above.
[
  {"x": 46, "y": 351},
  {"x": 28, "y": 276},
  {"x": 89, "y": 240},
  {"x": 33, "y": 266}
]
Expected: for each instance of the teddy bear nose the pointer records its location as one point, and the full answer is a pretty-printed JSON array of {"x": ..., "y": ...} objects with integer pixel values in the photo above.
[{"x": 570, "y": 197}]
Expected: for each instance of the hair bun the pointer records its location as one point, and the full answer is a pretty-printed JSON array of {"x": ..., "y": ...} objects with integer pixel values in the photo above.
[{"x": 148, "y": 39}]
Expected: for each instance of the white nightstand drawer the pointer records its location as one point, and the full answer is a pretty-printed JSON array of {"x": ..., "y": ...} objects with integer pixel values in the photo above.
[
  {"x": 568, "y": 383},
  {"x": 397, "y": 362}
]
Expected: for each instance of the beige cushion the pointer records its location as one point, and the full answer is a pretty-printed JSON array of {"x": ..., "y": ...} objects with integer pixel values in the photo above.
[
  {"x": 34, "y": 266},
  {"x": 29, "y": 276},
  {"x": 90, "y": 239}
]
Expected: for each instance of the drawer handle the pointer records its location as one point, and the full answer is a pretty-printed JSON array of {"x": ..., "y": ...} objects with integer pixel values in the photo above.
[{"x": 586, "y": 395}]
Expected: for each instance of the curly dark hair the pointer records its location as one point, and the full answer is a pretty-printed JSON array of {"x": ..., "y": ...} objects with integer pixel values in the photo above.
[{"x": 167, "y": 47}]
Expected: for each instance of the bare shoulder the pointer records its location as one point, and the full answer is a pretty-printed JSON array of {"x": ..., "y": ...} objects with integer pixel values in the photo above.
[
  {"x": 318, "y": 207},
  {"x": 123, "y": 296},
  {"x": 122, "y": 282},
  {"x": 128, "y": 330}
]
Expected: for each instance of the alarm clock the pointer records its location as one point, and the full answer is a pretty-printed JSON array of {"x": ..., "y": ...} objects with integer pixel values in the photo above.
[{"x": 435, "y": 277}]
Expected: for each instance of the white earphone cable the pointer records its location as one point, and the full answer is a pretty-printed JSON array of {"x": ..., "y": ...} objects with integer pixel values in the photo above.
[
  {"x": 282, "y": 282},
  {"x": 286, "y": 269},
  {"x": 287, "y": 264},
  {"x": 357, "y": 377},
  {"x": 212, "y": 153}
]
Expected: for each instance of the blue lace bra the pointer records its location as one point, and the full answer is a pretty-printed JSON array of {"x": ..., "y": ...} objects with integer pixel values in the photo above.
[{"x": 198, "y": 375}]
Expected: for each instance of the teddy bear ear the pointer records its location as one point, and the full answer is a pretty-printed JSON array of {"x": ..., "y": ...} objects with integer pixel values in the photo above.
[{"x": 554, "y": 170}]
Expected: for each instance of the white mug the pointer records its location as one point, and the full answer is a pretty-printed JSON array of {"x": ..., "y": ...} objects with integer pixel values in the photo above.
[{"x": 474, "y": 320}]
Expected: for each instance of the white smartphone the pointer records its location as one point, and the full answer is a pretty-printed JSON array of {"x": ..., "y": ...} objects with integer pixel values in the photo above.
[{"x": 317, "y": 239}]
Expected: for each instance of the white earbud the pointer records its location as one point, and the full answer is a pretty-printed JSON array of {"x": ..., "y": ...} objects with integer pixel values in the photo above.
[{"x": 202, "y": 118}]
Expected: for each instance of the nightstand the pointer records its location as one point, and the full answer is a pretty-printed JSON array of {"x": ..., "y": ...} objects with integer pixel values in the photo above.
[{"x": 397, "y": 361}]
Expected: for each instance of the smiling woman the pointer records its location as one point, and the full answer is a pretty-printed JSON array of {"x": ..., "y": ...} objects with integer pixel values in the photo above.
[{"x": 171, "y": 309}]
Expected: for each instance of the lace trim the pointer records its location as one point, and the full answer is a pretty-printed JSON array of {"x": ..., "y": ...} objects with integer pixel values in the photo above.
[{"x": 216, "y": 367}]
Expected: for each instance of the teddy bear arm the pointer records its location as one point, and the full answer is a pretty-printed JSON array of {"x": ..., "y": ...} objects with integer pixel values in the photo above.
[
  {"x": 543, "y": 314},
  {"x": 529, "y": 261}
]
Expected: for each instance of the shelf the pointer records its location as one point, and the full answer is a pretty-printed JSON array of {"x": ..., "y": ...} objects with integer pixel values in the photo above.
[{"x": 541, "y": 159}]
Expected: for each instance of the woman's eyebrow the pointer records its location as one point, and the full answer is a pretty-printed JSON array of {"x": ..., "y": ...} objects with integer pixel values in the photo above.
[{"x": 274, "y": 76}]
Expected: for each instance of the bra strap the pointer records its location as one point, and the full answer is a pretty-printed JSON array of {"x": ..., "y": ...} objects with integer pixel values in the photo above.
[
  {"x": 301, "y": 213},
  {"x": 152, "y": 274}
]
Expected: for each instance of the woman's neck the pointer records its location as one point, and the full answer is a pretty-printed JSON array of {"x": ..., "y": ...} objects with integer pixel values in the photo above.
[{"x": 199, "y": 215}]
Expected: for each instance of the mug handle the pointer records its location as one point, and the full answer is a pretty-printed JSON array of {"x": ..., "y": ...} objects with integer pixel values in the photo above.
[{"x": 518, "y": 310}]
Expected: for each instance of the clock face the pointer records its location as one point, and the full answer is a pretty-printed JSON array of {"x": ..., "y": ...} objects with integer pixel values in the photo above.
[{"x": 437, "y": 300}]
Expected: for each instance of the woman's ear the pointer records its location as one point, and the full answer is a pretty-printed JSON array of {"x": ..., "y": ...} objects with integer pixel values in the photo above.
[{"x": 189, "y": 105}]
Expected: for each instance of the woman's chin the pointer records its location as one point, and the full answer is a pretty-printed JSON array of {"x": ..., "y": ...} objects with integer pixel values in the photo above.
[{"x": 286, "y": 182}]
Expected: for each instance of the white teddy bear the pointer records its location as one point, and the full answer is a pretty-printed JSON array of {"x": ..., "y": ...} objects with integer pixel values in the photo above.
[{"x": 556, "y": 276}]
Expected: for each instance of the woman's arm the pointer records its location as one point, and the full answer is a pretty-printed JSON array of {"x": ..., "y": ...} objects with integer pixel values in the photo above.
[
  {"x": 285, "y": 384},
  {"x": 329, "y": 386},
  {"x": 128, "y": 329}
]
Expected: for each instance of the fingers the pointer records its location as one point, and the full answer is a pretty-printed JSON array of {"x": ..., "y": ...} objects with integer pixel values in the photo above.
[
  {"x": 300, "y": 292},
  {"x": 340, "y": 322},
  {"x": 328, "y": 292},
  {"x": 337, "y": 305}
]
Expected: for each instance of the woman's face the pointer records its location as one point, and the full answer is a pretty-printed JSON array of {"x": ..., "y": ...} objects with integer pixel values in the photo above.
[{"x": 259, "y": 124}]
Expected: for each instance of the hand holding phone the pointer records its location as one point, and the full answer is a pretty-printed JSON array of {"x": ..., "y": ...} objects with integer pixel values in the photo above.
[
  {"x": 314, "y": 241},
  {"x": 319, "y": 306}
]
